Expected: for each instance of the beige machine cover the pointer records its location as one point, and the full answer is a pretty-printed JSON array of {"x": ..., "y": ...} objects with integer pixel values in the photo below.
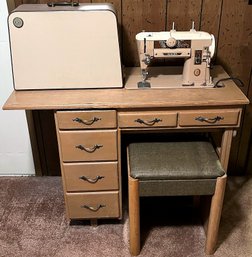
[{"x": 65, "y": 47}]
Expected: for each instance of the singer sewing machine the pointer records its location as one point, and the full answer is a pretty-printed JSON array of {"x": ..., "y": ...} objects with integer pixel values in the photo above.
[{"x": 195, "y": 47}]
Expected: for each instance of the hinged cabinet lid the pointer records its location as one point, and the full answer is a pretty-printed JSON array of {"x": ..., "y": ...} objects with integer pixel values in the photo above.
[{"x": 65, "y": 47}]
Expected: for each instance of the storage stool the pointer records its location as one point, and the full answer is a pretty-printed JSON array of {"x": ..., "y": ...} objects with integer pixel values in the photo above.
[{"x": 174, "y": 169}]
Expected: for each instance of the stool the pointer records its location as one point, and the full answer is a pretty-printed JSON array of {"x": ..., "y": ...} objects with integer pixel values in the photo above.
[{"x": 175, "y": 169}]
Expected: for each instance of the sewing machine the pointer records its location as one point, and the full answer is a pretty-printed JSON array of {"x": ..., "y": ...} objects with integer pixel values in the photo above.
[{"x": 195, "y": 47}]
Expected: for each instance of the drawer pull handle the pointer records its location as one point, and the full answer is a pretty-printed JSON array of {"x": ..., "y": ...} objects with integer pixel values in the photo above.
[
  {"x": 148, "y": 122},
  {"x": 88, "y": 149},
  {"x": 87, "y": 122},
  {"x": 91, "y": 180},
  {"x": 94, "y": 209},
  {"x": 212, "y": 120}
]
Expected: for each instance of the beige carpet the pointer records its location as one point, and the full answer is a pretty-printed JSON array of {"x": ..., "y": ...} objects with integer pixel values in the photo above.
[{"x": 33, "y": 224}]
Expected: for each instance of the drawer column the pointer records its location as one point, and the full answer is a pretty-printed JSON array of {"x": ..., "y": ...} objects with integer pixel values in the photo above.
[{"x": 88, "y": 147}]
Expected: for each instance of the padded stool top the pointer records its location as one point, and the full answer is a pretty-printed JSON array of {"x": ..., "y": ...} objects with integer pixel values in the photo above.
[{"x": 174, "y": 160}]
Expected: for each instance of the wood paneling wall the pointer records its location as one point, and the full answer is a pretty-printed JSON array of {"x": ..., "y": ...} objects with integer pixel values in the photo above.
[
  {"x": 229, "y": 20},
  {"x": 235, "y": 54}
]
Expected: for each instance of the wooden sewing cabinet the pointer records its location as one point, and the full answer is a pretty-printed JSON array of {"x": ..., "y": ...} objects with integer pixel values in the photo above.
[{"x": 90, "y": 124}]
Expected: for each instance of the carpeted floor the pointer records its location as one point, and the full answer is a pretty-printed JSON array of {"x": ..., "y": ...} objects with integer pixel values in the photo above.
[{"x": 33, "y": 224}]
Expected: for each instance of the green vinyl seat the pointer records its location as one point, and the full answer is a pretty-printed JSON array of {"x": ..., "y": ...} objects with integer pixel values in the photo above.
[{"x": 170, "y": 169}]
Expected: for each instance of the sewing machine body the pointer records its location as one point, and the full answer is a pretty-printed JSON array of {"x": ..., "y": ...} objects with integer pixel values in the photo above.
[{"x": 196, "y": 47}]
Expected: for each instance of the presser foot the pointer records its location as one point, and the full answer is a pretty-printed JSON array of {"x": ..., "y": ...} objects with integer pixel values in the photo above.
[{"x": 143, "y": 84}]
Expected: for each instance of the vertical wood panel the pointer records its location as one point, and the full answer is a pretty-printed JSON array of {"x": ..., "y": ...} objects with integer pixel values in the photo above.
[
  {"x": 234, "y": 53},
  {"x": 249, "y": 157},
  {"x": 18, "y": 2},
  {"x": 210, "y": 17},
  {"x": 244, "y": 161},
  {"x": 245, "y": 151},
  {"x": 32, "y": 124},
  {"x": 11, "y": 5},
  {"x": 48, "y": 144},
  {"x": 246, "y": 49},
  {"x": 138, "y": 15},
  {"x": 81, "y": 1},
  {"x": 183, "y": 13},
  {"x": 118, "y": 7},
  {"x": 233, "y": 46},
  {"x": 30, "y": 1}
]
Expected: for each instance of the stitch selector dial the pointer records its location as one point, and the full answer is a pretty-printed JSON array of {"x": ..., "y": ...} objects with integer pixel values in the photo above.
[{"x": 171, "y": 42}]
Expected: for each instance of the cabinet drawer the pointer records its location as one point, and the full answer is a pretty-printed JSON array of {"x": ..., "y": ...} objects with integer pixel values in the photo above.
[
  {"x": 92, "y": 145},
  {"x": 86, "y": 119},
  {"x": 209, "y": 118},
  {"x": 147, "y": 119},
  {"x": 93, "y": 205},
  {"x": 91, "y": 176}
]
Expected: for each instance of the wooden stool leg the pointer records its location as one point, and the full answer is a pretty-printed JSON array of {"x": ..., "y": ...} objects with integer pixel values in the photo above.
[
  {"x": 134, "y": 216},
  {"x": 215, "y": 215}
]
